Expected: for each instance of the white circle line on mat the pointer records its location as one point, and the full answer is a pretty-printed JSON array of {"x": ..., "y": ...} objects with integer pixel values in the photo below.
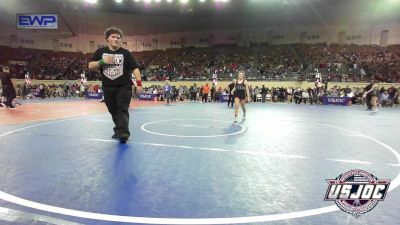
[{"x": 143, "y": 127}]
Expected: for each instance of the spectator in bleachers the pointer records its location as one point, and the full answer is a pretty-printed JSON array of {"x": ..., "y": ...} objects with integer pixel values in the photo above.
[
  {"x": 297, "y": 96},
  {"x": 263, "y": 92},
  {"x": 384, "y": 99},
  {"x": 305, "y": 96},
  {"x": 289, "y": 93},
  {"x": 193, "y": 92},
  {"x": 392, "y": 95},
  {"x": 167, "y": 89},
  {"x": 206, "y": 90}
]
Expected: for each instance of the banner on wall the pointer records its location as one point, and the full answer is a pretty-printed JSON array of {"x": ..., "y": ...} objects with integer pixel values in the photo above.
[
  {"x": 328, "y": 100},
  {"x": 148, "y": 97},
  {"x": 93, "y": 95}
]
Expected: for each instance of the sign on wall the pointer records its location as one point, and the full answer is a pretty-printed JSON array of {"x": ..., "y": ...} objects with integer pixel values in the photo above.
[{"x": 37, "y": 21}]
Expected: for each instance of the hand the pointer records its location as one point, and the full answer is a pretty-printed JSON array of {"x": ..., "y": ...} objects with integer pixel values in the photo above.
[
  {"x": 139, "y": 89},
  {"x": 108, "y": 59}
]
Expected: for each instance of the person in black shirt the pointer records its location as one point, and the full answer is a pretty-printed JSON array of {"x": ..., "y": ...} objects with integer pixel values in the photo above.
[
  {"x": 297, "y": 96},
  {"x": 8, "y": 87},
  {"x": 263, "y": 93},
  {"x": 392, "y": 96},
  {"x": 116, "y": 65},
  {"x": 193, "y": 92}
]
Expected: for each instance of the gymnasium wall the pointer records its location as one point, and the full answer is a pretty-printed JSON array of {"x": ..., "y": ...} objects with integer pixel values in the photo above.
[{"x": 88, "y": 43}]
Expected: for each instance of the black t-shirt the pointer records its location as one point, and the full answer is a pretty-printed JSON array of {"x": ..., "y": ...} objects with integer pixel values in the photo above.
[
  {"x": 263, "y": 90},
  {"x": 119, "y": 73},
  {"x": 5, "y": 79}
]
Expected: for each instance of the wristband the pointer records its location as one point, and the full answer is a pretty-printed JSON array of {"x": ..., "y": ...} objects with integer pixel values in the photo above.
[
  {"x": 139, "y": 83},
  {"x": 101, "y": 62}
]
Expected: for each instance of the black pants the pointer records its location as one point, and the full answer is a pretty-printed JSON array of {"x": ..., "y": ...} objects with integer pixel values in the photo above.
[
  {"x": 205, "y": 97},
  {"x": 167, "y": 96},
  {"x": 117, "y": 100},
  {"x": 193, "y": 96},
  {"x": 297, "y": 100},
  {"x": 42, "y": 94},
  {"x": 231, "y": 100}
]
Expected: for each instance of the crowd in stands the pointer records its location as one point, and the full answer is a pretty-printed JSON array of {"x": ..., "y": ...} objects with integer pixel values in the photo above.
[
  {"x": 387, "y": 97},
  {"x": 358, "y": 63},
  {"x": 353, "y": 62},
  {"x": 66, "y": 90}
]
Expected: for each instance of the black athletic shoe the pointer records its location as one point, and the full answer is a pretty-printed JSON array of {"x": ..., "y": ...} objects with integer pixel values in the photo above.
[
  {"x": 115, "y": 136},
  {"x": 122, "y": 140}
]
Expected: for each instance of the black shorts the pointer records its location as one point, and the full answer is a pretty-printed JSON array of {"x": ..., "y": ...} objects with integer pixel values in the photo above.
[{"x": 241, "y": 96}]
